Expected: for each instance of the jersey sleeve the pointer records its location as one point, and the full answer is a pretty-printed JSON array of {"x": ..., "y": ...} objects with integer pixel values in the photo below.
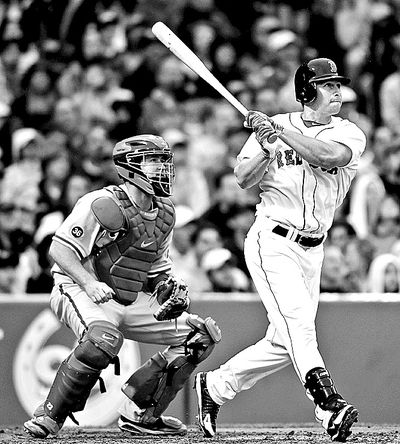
[
  {"x": 80, "y": 229},
  {"x": 350, "y": 135},
  {"x": 250, "y": 148}
]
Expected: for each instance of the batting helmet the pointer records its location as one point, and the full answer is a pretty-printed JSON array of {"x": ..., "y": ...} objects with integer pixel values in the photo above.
[
  {"x": 312, "y": 72},
  {"x": 130, "y": 160}
]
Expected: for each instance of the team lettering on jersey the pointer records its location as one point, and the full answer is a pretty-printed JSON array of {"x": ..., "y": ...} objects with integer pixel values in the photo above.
[{"x": 290, "y": 157}]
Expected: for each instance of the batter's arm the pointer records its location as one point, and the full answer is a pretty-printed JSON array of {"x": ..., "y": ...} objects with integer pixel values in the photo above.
[
  {"x": 249, "y": 171},
  {"x": 69, "y": 262},
  {"x": 317, "y": 152}
]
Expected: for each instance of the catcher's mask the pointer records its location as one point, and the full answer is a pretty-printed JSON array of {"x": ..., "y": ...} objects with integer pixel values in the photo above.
[
  {"x": 145, "y": 161},
  {"x": 312, "y": 72}
]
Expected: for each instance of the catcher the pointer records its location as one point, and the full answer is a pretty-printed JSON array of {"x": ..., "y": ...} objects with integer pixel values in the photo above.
[{"x": 112, "y": 274}]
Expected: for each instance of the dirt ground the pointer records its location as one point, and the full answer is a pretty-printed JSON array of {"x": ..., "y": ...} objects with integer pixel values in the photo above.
[{"x": 243, "y": 434}]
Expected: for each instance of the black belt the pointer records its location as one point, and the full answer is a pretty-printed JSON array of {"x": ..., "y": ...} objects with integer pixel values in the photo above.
[{"x": 303, "y": 241}]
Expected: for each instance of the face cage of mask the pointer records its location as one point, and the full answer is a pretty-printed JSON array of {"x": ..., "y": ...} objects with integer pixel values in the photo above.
[{"x": 161, "y": 179}]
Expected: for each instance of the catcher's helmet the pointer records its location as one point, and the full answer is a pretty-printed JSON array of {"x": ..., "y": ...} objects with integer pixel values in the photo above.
[
  {"x": 309, "y": 73},
  {"x": 129, "y": 156}
]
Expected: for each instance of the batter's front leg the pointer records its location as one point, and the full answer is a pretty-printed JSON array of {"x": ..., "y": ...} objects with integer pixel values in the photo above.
[{"x": 246, "y": 368}]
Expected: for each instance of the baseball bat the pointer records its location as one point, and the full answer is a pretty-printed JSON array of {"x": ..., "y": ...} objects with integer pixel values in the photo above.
[{"x": 190, "y": 59}]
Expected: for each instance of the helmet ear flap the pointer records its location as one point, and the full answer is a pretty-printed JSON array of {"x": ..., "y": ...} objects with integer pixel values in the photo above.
[{"x": 305, "y": 91}]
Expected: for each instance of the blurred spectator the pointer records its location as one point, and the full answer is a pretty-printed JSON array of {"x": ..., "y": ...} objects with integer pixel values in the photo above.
[
  {"x": 223, "y": 273},
  {"x": 35, "y": 105},
  {"x": 96, "y": 161},
  {"x": 287, "y": 48},
  {"x": 266, "y": 100},
  {"x": 75, "y": 186},
  {"x": 22, "y": 177},
  {"x": 235, "y": 139},
  {"x": 190, "y": 187},
  {"x": 322, "y": 23},
  {"x": 55, "y": 171},
  {"x": 384, "y": 274},
  {"x": 185, "y": 226},
  {"x": 334, "y": 275},
  {"x": 358, "y": 254},
  {"x": 238, "y": 223},
  {"x": 364, "y": 200},
  {"x": 67, "y": 120},
  {"x": 384, "y": 44},
  {"x": 389, "y": 96},
  {"x": 10, "y": 70},
  {"x": 95, "y": 98},
  {"x": 262, "y": 27},
  {"x": 69, "y": 82},
  {"x": 41, "y": 280},
  {"x": 8, "y": 274},
  {"x": 387, "y": 229},
  {"x": 340, "y": 234},
  {"x": 224, "y": 58},
  {"x": 111, "y": 33},
  {"x": 349, "y": 110},
  {"x": 206, "y": 11},
  {"x": 389, "y": 160},
  {"x": 126, "y": 115},
  {"x": 353, "y": 22},
  {"x": 5, "y": 137},
  {"x": 204, "y": 238},
  {"x": 226, "y": 195},
  {"x": 17, "y": 222}
]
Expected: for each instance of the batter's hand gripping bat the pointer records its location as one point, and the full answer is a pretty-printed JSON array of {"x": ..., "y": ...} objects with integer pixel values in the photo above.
[{"x": 190, "y": 59}]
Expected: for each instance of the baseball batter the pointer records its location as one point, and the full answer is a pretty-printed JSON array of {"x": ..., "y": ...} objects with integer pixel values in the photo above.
[
  {"x": 303, "y": 176},
  {"x": 113, "y": 281}
]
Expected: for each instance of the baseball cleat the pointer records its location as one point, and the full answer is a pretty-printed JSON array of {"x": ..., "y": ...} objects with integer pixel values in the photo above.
[
  {"x": 41, "y": 425},
  {"x": 337, "y": 424},
  {"x": 207, "y": 408},
  {"x": 164, "y": 425},
  {"x": 341, "y": 422}
]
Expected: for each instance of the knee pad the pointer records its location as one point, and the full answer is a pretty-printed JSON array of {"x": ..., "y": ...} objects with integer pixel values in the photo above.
[
  {"x": 155, "y": 384},
  {"x": 201, "y": 341},
  {"x": 100, "y": 345}
]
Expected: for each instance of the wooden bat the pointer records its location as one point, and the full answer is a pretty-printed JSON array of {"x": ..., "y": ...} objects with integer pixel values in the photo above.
[{"x": 190, "y": 59}]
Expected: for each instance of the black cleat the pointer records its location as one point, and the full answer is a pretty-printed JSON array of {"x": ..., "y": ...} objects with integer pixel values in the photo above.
[
  {"x": 340, "y": 423},
  {"x": 164, "y": 425},
  {"x": 207, "y": 408}
]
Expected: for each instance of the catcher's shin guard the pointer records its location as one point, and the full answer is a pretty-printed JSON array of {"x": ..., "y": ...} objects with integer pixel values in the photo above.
[
  {"x": 69, "y": 392},
  {"x": 78, "y": 374},
  {"x": 156, "y": 383}
]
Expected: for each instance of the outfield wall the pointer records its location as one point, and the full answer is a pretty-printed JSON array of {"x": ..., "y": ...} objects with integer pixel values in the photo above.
[{"x": 358, "y": 336}]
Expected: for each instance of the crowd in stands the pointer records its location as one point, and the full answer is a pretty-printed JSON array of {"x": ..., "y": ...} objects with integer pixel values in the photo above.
[{"x": 76, "y": 76}]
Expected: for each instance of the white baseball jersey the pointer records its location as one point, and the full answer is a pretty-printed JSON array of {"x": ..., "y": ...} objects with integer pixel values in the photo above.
[{"x": 301, "y": 195}]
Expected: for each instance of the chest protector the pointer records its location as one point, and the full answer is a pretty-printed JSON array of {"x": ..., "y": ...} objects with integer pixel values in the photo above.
[{"x": 124, "y": 263}]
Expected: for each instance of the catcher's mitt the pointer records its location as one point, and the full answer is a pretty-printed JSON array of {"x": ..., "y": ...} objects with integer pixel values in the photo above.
[{"x": 172, "y": 297}]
